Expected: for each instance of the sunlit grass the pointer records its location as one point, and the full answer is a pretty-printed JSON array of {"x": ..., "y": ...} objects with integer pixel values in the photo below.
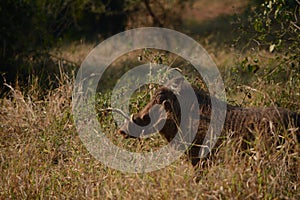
[{"x": 42, "y": 155}]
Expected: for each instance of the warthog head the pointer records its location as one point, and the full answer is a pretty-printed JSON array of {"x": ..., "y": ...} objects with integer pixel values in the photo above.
[{"x": 163, "y": 113}]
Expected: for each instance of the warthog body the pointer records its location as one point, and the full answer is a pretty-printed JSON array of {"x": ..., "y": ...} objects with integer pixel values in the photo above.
[{"x": 239, "y": 121}]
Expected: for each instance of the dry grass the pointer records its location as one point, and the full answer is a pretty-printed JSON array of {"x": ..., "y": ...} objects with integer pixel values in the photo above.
[{"x": 43, "y": 157}]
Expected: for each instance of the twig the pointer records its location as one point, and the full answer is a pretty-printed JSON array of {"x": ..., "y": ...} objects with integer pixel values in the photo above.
[
  {"x": 156, "y": 20},
  {"x": 10, "y": 87},
  {"x": 115, "y": 110},
  {"x": 251, "y": 89},
  {"x": 294, "y": 24}
]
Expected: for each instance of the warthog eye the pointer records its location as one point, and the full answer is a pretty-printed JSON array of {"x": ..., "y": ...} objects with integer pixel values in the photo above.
[
  {"x": 164, "y": 97},
  {"x": 146, "y": 118},
  {"x": 161, "y": 97},
  {"x": 141, "y": 120}
]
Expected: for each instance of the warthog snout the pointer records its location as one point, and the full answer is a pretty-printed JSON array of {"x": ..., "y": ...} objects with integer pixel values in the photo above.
[
  {"x": 148, "y": 121},
  {"x": 141, "y": 120},
  {"x": 136, "y": 119}
]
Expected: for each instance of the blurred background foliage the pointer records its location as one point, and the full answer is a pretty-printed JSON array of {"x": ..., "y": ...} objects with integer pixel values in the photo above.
[
  {"x": 31, "y": 29},
  {"x": 274, "y": 25}
]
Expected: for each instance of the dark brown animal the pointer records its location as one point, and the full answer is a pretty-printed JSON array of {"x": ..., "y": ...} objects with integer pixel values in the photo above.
[{"x": 240, "y": 121}]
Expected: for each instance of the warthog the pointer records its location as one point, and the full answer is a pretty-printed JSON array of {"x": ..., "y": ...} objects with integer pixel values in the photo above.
[{"x": 245, "y": 122}]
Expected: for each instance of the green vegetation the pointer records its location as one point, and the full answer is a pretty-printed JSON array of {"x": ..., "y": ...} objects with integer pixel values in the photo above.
[
  {"x": 41, "y": 154},
  {"x": 31, "y": 30}
]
